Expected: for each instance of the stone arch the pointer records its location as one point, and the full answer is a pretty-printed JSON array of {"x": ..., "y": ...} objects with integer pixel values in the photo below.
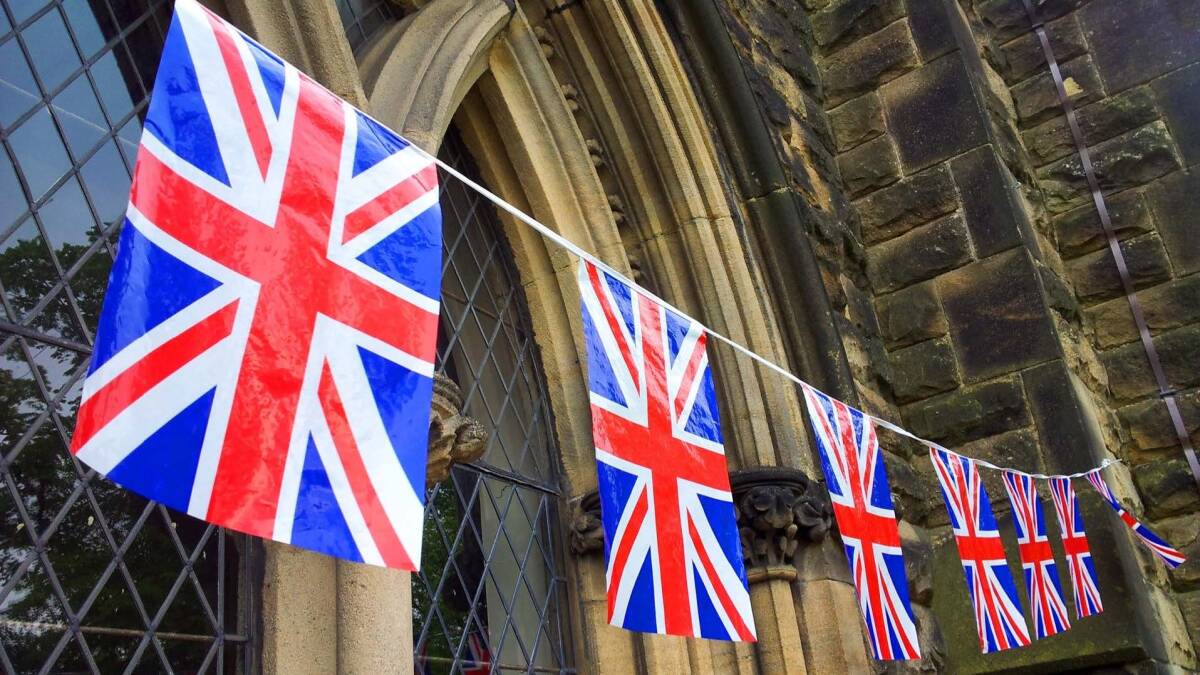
[{"x": 493, "y": 70}]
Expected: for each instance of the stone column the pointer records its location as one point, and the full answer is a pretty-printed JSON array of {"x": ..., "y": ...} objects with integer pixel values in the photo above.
[{"x": 779, "y": 510}]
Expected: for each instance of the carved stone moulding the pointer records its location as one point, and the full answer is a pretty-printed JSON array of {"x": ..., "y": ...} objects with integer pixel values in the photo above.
[
  {"x": 587, "y": 531},
  {"x": 778, "y": 510},
  {"x": 454, "y": 438}
]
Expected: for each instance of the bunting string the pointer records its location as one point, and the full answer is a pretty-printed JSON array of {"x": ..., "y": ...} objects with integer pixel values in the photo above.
[{"x": 580, "y": 252}]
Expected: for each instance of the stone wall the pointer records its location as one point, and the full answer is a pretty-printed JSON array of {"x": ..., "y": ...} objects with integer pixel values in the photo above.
[
  {"x": 1133, "y": 73},
  {"x": 978, "y": 303}
]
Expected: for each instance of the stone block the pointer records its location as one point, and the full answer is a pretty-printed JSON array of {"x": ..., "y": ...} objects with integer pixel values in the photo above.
[
  {"x": 1180, "y": 531},
  {"x": 1069, "y": 434},
  {"x": 1167, "y": 487},
  {"x": 915, "y": 496},
  {"x": 920, "y": 254},
  {"x": 997, "y": 315},
  {"x": 1095, "y": 275},
  {"x": 1036, "y": 99},
  {"x": 932, "y": 24},
  {"x": 1186, "y": 577},
  {"x": 969, "y": 412},
  {"x": 1160, "y": 34},
  {"x": 1098, "y": 122},
  {"x": 1060, "y": 297},
  {"x": 898, "y": 208},
  {"x": 863, "y": 65},
  {"x": 1189, "y": 604},
  {"x": 1013, "y": 448},
  {"x": 859, "y": 309},
  {"x": 910, "y": 315},
  {"x": 935, "y": 113},
  {"x": 991, "y": 205},
  {"x": 1165, "y": 306},
  {"x": 922, "y": 370},
  {"x": 1129, "y": 374},
  {"x": 1175, "y": 201},
  {"x": 841, "y": 20},
  {"x": 918, "y": 561},
  {"x": 1131, "y": 159},
  {"x": 870, "y": 166},
  {"x": 1149, "y": 425},
  {"x": 1023, "y": 57},
  {"x": 1006, "y": 19},
  {"x": 1178, "y": 97},
  {"x": 856, "y": 121},
  {"x": 1079, "y": 231}
]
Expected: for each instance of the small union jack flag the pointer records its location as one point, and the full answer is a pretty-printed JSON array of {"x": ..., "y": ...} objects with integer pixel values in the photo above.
[
  {"x": 1165, "y": 552},
  {"x": 1075, "y": 544},
  {"x": 862, "y": 504},
  {"x": 264, "y": 356},
  {"x": 670, "y": 534},
  {"x": 1041, "y": 572},
  {"x": 989, "y": 581}
]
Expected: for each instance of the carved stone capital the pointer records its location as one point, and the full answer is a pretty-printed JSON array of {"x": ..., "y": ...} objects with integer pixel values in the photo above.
[
  {"x": 587, "y": 532},
  {"x": 454, "y": 438},
  {"x": 778, "y": 510}
]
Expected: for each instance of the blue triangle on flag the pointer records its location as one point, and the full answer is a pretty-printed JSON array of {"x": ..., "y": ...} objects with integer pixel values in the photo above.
[
  {"x": 178, "y": 115},
  {"x": 375, "y": 143},
  {"x": 147, "y": 286},
  {"x": 641, "y": 614},
  {"x": 270, "y": 67},
  {"x": 618, "y": 487},
  {"x": 410, "y": 255},
  {"x": 395, "y": 389},
  {"x": 710, "y": 622},
  {"x": 163, "y": 467},
  {"x": 319, "y": 524},
  {"x": 601, "y": 377}
]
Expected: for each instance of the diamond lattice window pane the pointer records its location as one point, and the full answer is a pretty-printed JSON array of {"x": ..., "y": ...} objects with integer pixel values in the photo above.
[
  {"x": 93, "y": 578},
  {"x": 490, "y": 586}
]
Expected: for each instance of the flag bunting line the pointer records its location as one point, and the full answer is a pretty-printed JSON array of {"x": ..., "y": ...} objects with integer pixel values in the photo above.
[{"x": 574, "y": 248}]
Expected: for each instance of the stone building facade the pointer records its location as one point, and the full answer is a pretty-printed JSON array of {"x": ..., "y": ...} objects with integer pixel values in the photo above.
[{"x": 881, "y": 194}]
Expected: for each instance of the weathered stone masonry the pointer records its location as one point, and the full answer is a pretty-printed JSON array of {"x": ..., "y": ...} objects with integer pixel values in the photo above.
[{"x": 975, "y": 296}]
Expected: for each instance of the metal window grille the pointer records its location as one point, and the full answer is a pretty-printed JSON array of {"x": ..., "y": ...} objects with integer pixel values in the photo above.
[
  {"x": 362, "y": 18},
  {"x": 92, "y": 577},
  {"x": 491, "y": 587}
]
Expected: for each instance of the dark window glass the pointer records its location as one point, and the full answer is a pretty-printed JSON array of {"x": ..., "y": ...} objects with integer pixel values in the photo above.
[
  {"x": 93, "y": 578},
  {"x": 362, "y": 18},
  {"x": 491, "y": 582}
]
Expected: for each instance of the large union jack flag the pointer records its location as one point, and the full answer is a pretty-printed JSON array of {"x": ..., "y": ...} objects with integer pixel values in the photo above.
[
  {"x": 1075, "y": 545},
  {"x": 1170, "y": 556},
  {"x": 990, "y": 583},
  {"x": 674, "y": 558},
  {"x": 862, "y": 505},
  {"x": 264, "y": 355},
  {"x": 1049, "y": 611}
]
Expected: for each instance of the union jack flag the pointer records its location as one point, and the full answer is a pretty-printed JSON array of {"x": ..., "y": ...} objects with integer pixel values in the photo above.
[
  {"x": 998, "y": 614},
  {"x": 866, "y": 519},
  {"x": 264, "y": 356},
  {"x": 1041, "y": 572},
  {"x": 1075, "y": 544},
  {"x": 674, "y": 558},
  {"x": 1165, "y": 552}
]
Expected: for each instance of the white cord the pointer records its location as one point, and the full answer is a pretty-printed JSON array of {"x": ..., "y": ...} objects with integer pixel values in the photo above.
[{"x": 762, "y": 360}]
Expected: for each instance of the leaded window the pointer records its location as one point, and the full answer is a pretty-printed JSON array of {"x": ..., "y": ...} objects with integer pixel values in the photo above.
[
  {"x": 93, "y": 578},
  {"x": 362, "y": 18},
  {"x": 491, "y": 586}
]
